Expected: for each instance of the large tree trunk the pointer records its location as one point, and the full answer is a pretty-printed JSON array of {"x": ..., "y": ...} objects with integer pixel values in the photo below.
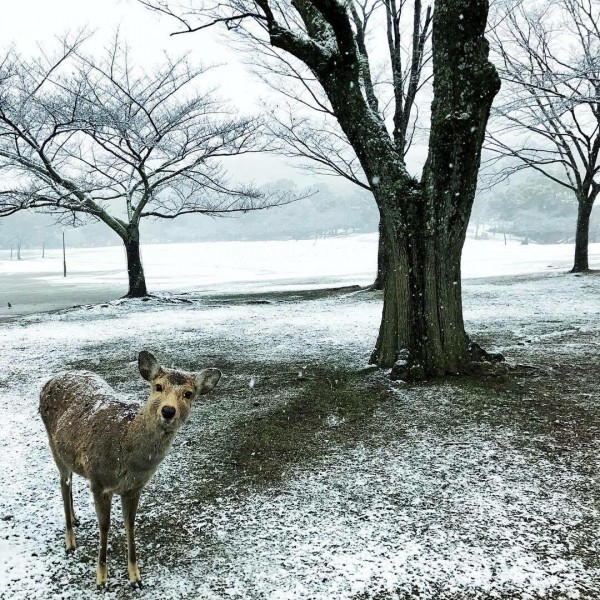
[
  {"x": 135, "y": 269},
  {"x": 422, "y": 330},
  {"x": 584, "y": 211}
]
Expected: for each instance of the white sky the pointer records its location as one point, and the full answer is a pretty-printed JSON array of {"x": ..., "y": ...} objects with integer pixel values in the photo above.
[{"x": 28, "y": 23}]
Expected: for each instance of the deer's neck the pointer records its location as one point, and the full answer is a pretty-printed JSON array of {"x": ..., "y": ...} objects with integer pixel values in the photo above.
[{"x": 147, "y": 441}]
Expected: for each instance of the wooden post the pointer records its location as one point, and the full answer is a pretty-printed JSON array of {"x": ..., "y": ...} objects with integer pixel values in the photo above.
[{"x": 64, "y": 256}]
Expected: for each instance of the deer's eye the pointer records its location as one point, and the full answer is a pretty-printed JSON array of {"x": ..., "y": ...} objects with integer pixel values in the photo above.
[
  {"x": 187, "y": 395},
  {"x": 158, "y": 387}
]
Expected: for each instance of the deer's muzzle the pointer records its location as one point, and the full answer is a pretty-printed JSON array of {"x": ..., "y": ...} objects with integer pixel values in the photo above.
[{"x": 168, "y": 412}]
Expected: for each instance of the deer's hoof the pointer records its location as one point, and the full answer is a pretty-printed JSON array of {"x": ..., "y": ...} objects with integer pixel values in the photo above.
[
  {"x": 135, "y": 579},
  {"x": 101, "y": 576},
  {"x": 70, "y": 541}
]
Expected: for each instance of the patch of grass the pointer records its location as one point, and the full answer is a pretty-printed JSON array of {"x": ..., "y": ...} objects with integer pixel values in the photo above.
[
  {"x": 115, "y": 369},
  {"x": 557, "y": 404},
  {"x": 330, "y": 408},
  {"x": 280, "y": 296}
]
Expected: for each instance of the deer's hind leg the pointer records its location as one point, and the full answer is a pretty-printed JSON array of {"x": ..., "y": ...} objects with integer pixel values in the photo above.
[
  {"x": 66, "y": 488},
  {"x": 74, "y": 518}
]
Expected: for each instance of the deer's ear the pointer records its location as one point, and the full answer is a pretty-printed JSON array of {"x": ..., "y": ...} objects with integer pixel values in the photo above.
[
  {"x": 148, "y": 365},
  {"x": 206, "y": 380}
]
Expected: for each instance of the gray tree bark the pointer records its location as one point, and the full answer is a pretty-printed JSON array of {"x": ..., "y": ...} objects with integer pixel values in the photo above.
[
  {"x": 582, "y": 234},
  {"x": 135, "y": 268}
]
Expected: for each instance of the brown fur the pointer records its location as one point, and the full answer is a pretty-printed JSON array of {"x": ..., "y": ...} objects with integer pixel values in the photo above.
[{"x": 115, "y": 444}]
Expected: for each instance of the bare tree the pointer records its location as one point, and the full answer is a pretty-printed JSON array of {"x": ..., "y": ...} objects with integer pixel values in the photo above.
[
  {"x": 424, "y": 222},
  {"x": 108, "y": 141},
  {"x": 548, "y": 117}
]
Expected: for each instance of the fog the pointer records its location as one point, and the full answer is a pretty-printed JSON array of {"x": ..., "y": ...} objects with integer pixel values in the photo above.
[{"x": 324, "y": 211}]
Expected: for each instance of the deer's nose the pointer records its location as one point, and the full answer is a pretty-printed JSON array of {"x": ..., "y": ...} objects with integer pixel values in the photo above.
[{"x": 168, "y": 412}]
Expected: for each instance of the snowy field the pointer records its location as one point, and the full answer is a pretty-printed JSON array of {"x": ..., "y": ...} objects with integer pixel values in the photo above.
[
  {"x": 339, "y": 484},
  {"x": 99, "y": 274}
]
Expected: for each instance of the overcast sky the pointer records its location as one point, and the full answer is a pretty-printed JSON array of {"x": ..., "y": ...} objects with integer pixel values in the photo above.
[{"x": 28, "y": 23}]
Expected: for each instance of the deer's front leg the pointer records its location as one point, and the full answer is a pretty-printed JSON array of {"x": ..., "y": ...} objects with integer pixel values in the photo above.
[
  {"x": 102, "y": 501},
  {"x": 67, "y": 494},
  {"x": 129, "y": 503}
]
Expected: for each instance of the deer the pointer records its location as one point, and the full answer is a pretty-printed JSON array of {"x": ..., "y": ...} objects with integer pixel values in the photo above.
[{"x": 117, "y": 445}]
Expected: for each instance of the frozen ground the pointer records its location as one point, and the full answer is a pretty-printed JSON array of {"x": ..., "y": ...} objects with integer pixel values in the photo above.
[
  {"x": 98, "y": 274},
  {"x": 339, "y": 484}
]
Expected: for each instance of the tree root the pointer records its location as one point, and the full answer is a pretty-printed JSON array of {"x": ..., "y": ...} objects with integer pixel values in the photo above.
[
  {"x": 477, "y": 354},
  {"x": 158, "y": 298},
  {"x": 406, "y": 368},
  {"x": 478, "y": 360}
]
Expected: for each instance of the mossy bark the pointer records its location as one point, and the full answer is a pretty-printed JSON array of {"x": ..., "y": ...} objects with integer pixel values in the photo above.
[
  {"x": 422, "y": 323},
  {"x": 383, "y": 260}
]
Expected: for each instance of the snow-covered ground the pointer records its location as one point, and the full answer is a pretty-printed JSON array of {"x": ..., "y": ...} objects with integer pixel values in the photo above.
[
  {"x": 99, "y": 274},
  {"x": 289, "y": 489}
]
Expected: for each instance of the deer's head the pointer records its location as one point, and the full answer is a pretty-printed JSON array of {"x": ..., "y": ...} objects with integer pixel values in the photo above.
[{"x": 173, "y": 391}]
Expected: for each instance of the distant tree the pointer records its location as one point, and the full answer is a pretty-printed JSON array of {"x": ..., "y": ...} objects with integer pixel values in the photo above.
[
  {"x": 424, "y": 222},
  {"x": 102, "y": 139},
  {"x": 479, "y": 214},
  {"x": 549, "y": 113},
  {"x": 532, "y": 208},
  {"x": 595, "y": 225}
]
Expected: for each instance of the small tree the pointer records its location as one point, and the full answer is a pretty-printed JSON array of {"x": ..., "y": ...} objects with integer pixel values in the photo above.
[
  {"x": 108, "y": 141},
  {"x": 549, "y": 113},
  {"x": 424, "y": 222}
]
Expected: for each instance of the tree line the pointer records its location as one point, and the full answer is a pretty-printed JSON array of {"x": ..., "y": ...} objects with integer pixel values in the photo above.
[{"x": 322, "y": 210}]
